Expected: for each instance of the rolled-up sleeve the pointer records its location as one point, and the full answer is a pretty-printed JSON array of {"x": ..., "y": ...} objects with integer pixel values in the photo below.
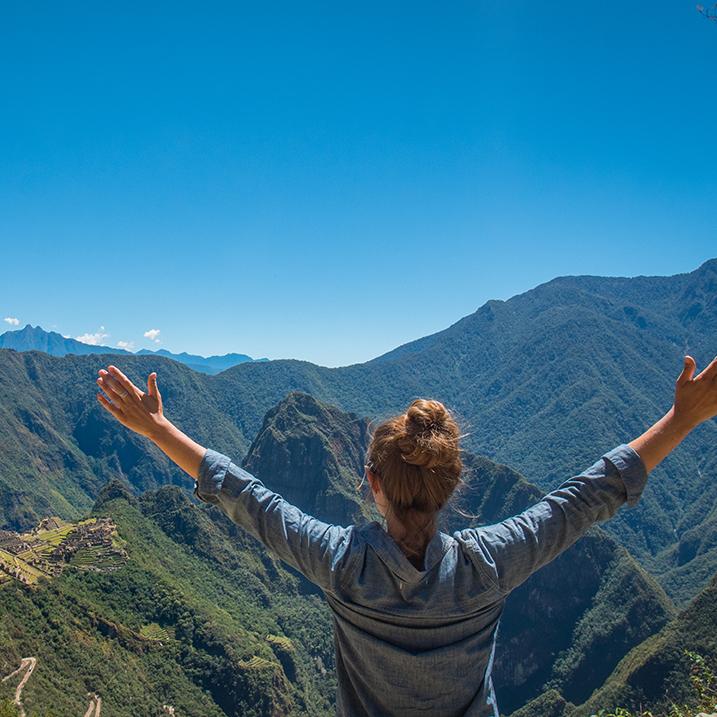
[
  {"x": 516, "y": 547},
  {"x": 316, "y": 549}
]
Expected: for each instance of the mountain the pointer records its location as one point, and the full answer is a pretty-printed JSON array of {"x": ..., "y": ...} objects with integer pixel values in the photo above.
[
  {"x": 566, "y": 628},
  {"x": 34, "y": 338},
  {"x": 657, "y": 673},
  {"x": 203, "y": 364},
  {"x": 669, "y": 668},
  {"x": 544, "y": 382},
  {"x": 186, "y": 619},
  {"x": 313, "y": 454},
  {"x": 197, "y": 618},
  {"x": 59, "y": 446}
]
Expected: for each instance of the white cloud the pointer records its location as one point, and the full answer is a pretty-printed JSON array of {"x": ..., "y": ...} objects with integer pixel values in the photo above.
[
  {"x": 12, "y": 320},
  {"x": 92, "y": 339},
  {"x": 152, "y": 335},
  {"x": 65, "y": 336},
  {"x": 126, "y": 345}
]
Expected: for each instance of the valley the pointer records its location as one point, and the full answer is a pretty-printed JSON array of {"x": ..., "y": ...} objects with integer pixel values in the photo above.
[{"x": 133, "y": 598}]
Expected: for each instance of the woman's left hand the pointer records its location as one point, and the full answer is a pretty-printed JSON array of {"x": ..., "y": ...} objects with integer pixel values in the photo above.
[{"x": 138, "y": 410}]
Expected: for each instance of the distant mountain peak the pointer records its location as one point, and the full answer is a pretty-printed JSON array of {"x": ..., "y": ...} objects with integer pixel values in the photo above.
[{"x": 35, "y": 338}]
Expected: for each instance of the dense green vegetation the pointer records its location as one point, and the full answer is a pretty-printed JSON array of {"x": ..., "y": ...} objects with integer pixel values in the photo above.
[
  {"x": 208, "y": 635},
  {"x": 544, "y": 382},
  {"x": 670, "y": 674},
  {"x": 657, "y": 673},
  {"x": 703, "y": 682},
  {"x": 201, "y": 617},
  {"x": 313, "y": 454}
]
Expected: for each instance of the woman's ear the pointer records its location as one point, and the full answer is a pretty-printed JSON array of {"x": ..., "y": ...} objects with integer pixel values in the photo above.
[
  {"x": 378, "y": 495},
  {"x": 373, "y": 482}
]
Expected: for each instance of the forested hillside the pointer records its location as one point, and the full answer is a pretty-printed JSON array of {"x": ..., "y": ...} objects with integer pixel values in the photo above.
[
  {"x": 197, "y": 618},
  {"x": 199, "y": 600},
  {"x": 566, "y": 627},
  {"x": 675, "y": 667},
  {"x": 543, "y": 382}
]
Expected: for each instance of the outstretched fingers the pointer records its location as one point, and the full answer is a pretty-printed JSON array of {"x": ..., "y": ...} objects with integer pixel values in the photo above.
[
  {"x": 109, "y": 406},
  {"x": 710, "y": 372},
  {"x": 111, "y": 387},
  {"x": 126, "y": 384}
]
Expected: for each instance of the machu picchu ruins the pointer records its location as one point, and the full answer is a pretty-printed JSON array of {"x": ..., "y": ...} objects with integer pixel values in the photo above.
[{"x": 53, "y": 545}]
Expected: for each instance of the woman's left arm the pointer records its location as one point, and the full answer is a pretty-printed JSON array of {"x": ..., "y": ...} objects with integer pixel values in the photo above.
[{"x": 143, "y": 413}]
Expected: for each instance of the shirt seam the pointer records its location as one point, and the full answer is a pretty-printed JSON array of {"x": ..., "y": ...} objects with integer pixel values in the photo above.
[
  {"x": 484, "y": 570},
  {"x": 351, "y": 561}
]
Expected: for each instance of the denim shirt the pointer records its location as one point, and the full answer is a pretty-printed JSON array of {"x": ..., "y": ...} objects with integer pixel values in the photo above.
[{"x": 420, "y": 642}]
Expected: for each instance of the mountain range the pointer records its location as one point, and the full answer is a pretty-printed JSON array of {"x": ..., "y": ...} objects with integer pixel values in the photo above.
[
  {"x": 542, "y": 384},
  {"x": 35, "y": 338},
  {"x": 152, "y": 614}
]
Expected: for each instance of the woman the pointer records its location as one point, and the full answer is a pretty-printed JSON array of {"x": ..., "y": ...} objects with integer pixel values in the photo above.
[{"x": 416, "y": 611}]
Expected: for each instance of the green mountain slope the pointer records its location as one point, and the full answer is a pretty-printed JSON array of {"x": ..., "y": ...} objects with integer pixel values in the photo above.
[
  {"x": 544, "y": 382},
  {"x": 203, "y": 624},
  {"x": 567, "y": 627},
  {"x": 656, "y": 673},
  {"x": 58, "y": 448},
  {"x": 186, "y": 621},
  {"x": 313, "y": 454}
]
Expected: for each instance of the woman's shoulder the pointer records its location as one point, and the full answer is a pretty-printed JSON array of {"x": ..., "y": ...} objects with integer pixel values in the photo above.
[{"x": 471, "y": 543}]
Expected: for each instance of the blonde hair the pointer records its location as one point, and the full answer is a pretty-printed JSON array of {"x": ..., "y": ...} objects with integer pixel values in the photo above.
[{"x": 417, "y": 458}]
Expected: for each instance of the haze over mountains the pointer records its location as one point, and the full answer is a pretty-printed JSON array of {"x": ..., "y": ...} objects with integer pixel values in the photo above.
[
  {"x": 34, "y": 338},
  {"x": 543, "y": 384}
]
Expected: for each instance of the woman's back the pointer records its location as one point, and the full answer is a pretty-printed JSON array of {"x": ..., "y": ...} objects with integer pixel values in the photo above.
[{"x": 412, "y": 642}]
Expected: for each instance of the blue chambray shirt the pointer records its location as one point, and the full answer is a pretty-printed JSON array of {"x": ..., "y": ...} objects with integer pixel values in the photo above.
[{"x": 420, "y": 642}]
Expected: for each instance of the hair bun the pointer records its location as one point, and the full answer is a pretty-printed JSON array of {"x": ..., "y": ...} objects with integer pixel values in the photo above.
[
  {"x": 425, "y": 414},
  {"x": 430, "y": 435}
]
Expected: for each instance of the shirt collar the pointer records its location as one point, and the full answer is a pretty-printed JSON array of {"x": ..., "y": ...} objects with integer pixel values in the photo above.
[{"x": 392, "y": 555}]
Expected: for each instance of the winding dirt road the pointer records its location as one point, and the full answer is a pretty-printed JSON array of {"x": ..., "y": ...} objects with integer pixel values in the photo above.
[
  {"x": 95, "y": 706},
  {"x": 28, "y": 664}
]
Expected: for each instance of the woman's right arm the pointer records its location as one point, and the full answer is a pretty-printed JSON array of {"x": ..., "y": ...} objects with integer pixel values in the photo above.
[{"x": 516, "y": 547}]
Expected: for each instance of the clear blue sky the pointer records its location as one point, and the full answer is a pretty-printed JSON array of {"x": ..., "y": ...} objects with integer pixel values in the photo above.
[{"x": 326, "y": 181}]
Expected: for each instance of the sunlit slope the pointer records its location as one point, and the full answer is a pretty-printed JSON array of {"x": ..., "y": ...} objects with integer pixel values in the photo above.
[
  {"x": 657, "y": 672},
  {"x": 566, "y": 627},
  {"x": 544, "y": 382},
  {"x": 204, "y": 624}
]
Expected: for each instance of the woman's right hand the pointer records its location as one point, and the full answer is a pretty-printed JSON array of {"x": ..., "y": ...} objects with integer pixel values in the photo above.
[{"x": 696, "y": 398}]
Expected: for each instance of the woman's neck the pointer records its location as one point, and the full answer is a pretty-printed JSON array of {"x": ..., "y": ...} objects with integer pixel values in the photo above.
[{"x": 398, "y": 532}]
